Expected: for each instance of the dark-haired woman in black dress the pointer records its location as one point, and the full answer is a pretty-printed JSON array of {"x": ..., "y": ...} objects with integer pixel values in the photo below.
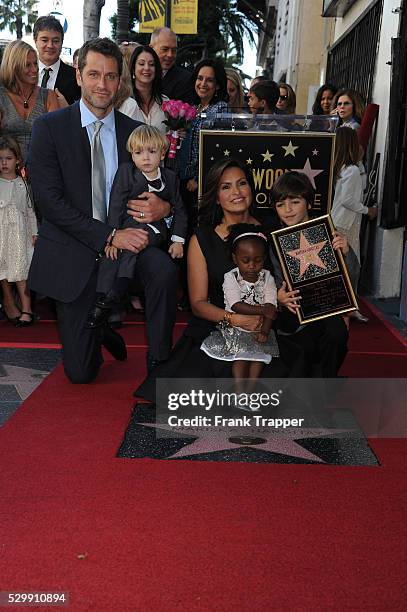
[{"x": 227, "y": 200}]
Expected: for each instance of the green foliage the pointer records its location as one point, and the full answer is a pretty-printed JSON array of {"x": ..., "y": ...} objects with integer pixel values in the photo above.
[
  {"x": 221, "y": 31},
  {"x": 18, "y": 16}
]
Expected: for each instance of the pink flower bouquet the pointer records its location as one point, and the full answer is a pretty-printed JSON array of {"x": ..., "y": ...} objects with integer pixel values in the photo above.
[{"x": 179, "y": 117}]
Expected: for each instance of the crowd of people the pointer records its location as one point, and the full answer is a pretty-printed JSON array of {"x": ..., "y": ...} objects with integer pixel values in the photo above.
[{"x": 112, "y": 215}]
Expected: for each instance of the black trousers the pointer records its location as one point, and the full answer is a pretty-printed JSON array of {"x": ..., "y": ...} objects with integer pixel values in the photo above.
[
  {"x": 81, "y": 347},
  {"x": 324, "y": 344},
  {"x": 158, "y": 276}
]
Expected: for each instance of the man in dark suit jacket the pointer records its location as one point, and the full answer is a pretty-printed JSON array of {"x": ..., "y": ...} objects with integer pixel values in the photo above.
[
  {"x": 71, "y": 240},
  {"x": 53, "y": 72},
  {"x": 176, "y": 82}
]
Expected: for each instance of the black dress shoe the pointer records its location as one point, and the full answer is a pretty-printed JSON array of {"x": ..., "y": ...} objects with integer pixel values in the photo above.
[
  {"x": 22, "y": 322},
  {"x": 100, "y": 312},
  {"x": 152, "y": 363},
  {"x": 114, "y": 343}
]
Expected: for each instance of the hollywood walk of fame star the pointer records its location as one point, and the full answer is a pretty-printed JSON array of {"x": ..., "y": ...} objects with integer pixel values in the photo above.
[
  {"x": 283, "y": 444},
  {"x": 309, "y": 172},
  {"x": 267, "y": 156},
  {"x": 307, "y": 253},
  {"x": 25, "y": 380},
  {"x": 289, "y": 149},
  {"x": 315, "y": 152},
  {"x": 226, "y": 153},
  {"x": 249, "y": 161}
]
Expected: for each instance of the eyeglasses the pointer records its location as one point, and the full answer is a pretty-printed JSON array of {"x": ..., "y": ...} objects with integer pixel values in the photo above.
[
  {"x": 344, "y": 103},
  {"x": 283, "y": 97}
]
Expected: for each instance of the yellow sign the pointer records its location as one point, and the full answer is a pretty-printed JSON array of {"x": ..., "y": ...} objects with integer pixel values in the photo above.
[
  {"x": 184, "y": 16},
  {"x": 152, "y": 14}
]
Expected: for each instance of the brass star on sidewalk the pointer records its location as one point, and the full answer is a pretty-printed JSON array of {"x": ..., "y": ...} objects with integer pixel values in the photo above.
[
  {"x": 267, "y": 155},
  {"x": 289, "y": 149},
  {"x": 307, "y": 253}
]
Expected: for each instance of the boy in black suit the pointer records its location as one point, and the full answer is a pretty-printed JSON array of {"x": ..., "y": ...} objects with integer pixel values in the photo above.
[{"x": 147, "y": 147}]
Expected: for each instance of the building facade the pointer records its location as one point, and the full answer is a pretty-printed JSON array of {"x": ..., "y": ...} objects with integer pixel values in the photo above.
[
  {"x": 360, "y": 44},
  {"x": 368, "y": 53},
  {"x": 294, "y": 54}
]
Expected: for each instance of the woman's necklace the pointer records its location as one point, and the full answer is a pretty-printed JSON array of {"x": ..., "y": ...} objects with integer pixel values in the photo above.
[
  {"x": 24, "y": 98},
  {"x": 202, "y": 107}
]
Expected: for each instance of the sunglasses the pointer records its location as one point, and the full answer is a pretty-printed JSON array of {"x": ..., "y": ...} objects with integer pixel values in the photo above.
[
  {"x": 344, "y": 103},
  {"x": 283, "y": 97}
]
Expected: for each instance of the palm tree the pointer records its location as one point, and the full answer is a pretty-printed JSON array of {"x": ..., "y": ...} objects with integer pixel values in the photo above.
[
  {"x": 122, "y": 24},
  {"x": 18, "y": 16},
  {"x": 91, "y": 18},
  {"x": 221, "y": 30}
]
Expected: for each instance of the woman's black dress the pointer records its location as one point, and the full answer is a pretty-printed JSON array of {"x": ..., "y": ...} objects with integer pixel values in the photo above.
[{"x": 187, "y": 360}]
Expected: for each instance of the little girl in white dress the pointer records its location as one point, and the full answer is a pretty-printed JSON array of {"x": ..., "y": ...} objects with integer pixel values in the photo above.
[
  {"x": 248, "y": 289},
  {"x": 18, "y": 230}
]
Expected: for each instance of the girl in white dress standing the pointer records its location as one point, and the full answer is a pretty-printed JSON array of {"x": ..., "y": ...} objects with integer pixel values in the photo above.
[{"x": 18, "y": 230}]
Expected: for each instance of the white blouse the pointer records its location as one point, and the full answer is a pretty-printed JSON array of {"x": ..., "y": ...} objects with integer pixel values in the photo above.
[
  {"x": 155, "y": 117},
  {"x": 129, "y": 108},
  {"x": 348, "y": 199}
]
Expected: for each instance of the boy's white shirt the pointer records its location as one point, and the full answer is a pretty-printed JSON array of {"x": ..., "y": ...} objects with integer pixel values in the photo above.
[{"x": 168, "y": 220}]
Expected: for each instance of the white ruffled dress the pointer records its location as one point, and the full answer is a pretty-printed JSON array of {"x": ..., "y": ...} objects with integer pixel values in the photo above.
[{"x": 18, "y": 225}]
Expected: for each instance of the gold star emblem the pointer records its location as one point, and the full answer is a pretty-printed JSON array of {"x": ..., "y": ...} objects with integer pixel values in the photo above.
[
  {"x": 308, "y": 254},
  {"x": 289, "y": 149},
  {"x": 249, "y": 161},
  {"x": 226, "y": 153},
  {"x": 267, "y": 156}
]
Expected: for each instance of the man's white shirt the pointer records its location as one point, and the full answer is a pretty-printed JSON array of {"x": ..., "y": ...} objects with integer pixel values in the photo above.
[{"x": 52, "y": 75}]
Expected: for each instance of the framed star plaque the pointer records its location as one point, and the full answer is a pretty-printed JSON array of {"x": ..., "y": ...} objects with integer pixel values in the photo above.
[
  {"x": 311, "y": 265},
  {"x": 269, "y": 155}
]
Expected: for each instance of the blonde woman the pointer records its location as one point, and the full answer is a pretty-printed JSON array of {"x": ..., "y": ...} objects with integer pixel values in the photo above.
[
  {"x": 127, "y": 49},
  {"x": 235, "y": 90},
  {"x": 21, "y": 99},
  {"x": 125, "y": 103}
]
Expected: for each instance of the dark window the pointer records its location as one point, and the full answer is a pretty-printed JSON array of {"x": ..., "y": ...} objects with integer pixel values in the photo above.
[{"x": 352, "y": 59}]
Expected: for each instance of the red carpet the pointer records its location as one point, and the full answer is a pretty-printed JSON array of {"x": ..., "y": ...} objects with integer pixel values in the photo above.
[
  {"x": 367, "y": 343},
  {"x": 141, "y": 535},
  {"x": 45, "y": 333}
]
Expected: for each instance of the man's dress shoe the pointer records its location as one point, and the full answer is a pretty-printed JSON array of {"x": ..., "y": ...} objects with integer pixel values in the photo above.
[
  {"x": 100, "y": 312},
  {"x": 114, "y": 343},
  {"x": 152, "y": 363}
]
